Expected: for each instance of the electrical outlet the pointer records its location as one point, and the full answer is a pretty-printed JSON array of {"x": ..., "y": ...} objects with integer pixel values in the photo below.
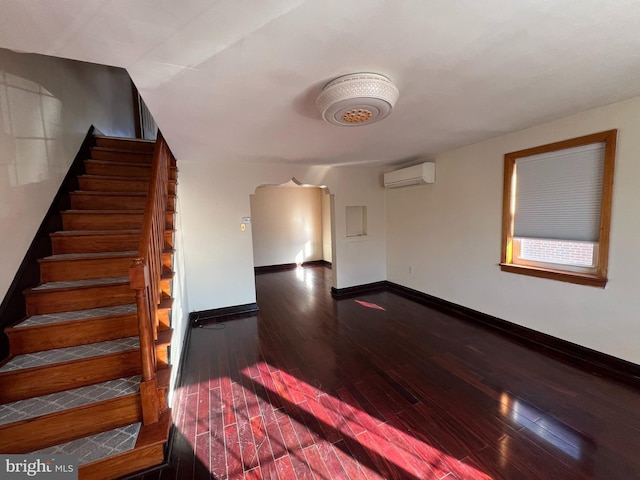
[{"x": 411, "y": 269}]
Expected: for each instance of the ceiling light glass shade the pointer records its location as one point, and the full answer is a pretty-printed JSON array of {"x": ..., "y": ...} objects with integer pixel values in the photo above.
[{"x": 357, "y": 99}]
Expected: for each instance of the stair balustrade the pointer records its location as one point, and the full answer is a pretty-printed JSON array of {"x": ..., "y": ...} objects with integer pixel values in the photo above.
[{"x": 145, "y": 276}]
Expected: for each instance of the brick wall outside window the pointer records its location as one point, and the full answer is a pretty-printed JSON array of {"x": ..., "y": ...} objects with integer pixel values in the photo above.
[{"x": 557, "y": 251}]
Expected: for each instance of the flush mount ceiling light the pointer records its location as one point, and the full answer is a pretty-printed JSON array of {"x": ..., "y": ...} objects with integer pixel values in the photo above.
[{"x": 357, "y": 99}]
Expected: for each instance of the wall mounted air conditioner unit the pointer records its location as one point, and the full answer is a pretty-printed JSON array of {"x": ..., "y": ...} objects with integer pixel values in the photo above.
[{"x": 416, "y": 175}]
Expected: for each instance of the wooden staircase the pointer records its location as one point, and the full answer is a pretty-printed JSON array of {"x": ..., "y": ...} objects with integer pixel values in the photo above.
[{"x": 89, "y": 368}]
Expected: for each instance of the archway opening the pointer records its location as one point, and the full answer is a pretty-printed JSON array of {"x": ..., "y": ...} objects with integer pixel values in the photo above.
[{"x": 292, "y": 224}]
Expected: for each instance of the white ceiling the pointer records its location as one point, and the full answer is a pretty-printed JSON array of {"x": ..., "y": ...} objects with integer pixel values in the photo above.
[{"x": 236, "y": 80}]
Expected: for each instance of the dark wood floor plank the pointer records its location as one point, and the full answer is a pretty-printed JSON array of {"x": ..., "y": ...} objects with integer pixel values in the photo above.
[
  {"x": 331, "y": 461},
  {"x": 285, "y": 468},
  {"x": 235, "y": 468},
  {"x": 313, "y": 387},
  {"x": 300, "y": 466},
  {"x": 329, "y": 432},
  {"x": 289, "y": 436},
  {"x": 350, "y": 464},
  {"x": 315, "y": 462},
  {"x": 203, "y": 452}
]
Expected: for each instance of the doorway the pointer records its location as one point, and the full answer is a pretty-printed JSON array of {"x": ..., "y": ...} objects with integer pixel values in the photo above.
[{"x": 292, "y": 224}]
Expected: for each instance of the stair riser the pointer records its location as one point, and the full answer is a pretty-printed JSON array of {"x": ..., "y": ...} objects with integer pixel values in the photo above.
[
  {"x": 167, "y": 260},
  {"x": 164, "y": 322},
  {"x": 169, "y": 220},
  {"x": 168, "y": 239},
  {"x": 98, "y": 184},
  {"x": 54, "y": 429},
  {"x": 165, "y": 286},
  {"x": 86, "y": 201},
  {"x": 67, "y": 334},
  {"x": 125, "y": 145},
  {"x": 84, "y": 269},
  {"x": 34, "y": 382},
  {"x": 43, "y": 301},
  {"x": 102, "y": 221},
  {"x": 112, "y": 242},
  {"x": 163, "y": 343},
  {"x": 116, "y": 169},
  {"x": 162, "y": 357},
  {"x": 171, "y": 203},
  {"x": 122, "y": 157}
]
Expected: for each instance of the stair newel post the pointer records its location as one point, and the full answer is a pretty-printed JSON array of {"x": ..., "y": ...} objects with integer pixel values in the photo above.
[{"x": 139, "y": 281}]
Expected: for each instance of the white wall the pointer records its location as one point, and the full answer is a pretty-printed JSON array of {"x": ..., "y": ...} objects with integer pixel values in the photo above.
[
  {"x": 180, "y": 308},
  {"x": 286, "y": 224},
  {"x": 47, "y": 105},
  {"x": 219, "y": 256},
  {"x": 326, "y": 227},
  {"x": 450, "y": 233}
]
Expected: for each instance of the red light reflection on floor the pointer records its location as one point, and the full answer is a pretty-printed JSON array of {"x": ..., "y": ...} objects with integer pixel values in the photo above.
[
  {"x": 273, "y": 425},
  {"x": 369, "y": 305}
]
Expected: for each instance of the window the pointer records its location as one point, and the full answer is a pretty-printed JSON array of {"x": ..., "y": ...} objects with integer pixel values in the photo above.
[{"x": 557, "y": 209}]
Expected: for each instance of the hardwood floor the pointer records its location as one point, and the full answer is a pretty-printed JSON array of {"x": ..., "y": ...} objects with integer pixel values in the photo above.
[{"x": 378, "y": 386}]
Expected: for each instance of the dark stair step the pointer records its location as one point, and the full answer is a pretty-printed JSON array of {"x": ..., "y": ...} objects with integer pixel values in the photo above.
[
  {"x": 117, "y": 169},
  {"x": 78, "y": 295},
  {"x": 96, "y": 241},
  {"x": 42, "y": 373},
  {"x": 94, "y": 200},
  {"x": 67, "y": 329},
  {"x": 65, "y": 416},
  {"x": 126, "y": 144},
  {"x": 102, "y": 219},
  {"x": 85, "y": 266},
  {"x": 118, "y": 184},
  {"x": 103, "y": 183},
  {"x": 147, "y": 452}
]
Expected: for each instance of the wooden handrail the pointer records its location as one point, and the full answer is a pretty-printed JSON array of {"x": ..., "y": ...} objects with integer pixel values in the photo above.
[{"x": 145, "y": 276}]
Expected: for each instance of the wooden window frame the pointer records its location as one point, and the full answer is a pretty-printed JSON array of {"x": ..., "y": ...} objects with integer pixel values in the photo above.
[{"x": 597, "y": 279}]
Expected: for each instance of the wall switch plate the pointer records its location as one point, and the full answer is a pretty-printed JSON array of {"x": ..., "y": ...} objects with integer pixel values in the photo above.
[{"x": 246, "y": 220}]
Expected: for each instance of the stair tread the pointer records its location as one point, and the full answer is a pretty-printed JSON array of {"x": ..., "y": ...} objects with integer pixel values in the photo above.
[
  {"x": 79, "y": 283},
  {"x": 125, "y": 139},
  {"x": 131, "y": 179},
  {"x": 71, "y": 315},
  {"x": 71, "y": 256},
  {"x": 115, "y": 177},
  {"x": 96, "y": 447},
  {"x": 108, "y": 212},
  {"x": 120, "y": 163},
  {"x": 109, "y": 193},
  {"x": 95, "y": 232},
  {"x": 56, "y": 402},
  {"x": 61, "y": 355}
]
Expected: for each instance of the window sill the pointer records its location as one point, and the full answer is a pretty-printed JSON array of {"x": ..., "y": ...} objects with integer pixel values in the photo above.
[
  {"x": 356, "y": 238},
  {"x": 560, "y": 275}
]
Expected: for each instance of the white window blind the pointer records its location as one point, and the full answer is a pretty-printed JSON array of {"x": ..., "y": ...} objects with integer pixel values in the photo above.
[{"x": 558, "y": 194}]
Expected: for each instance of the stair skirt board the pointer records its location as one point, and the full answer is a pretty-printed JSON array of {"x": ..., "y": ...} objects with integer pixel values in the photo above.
[{"x": 76, "y": 355}]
